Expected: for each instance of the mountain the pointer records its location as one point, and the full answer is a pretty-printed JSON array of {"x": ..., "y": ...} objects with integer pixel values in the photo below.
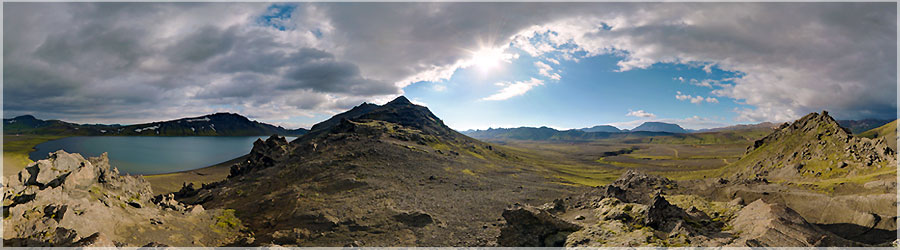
[
  {"x": 602, "y": 128},
  {"x": 389, "y": 175},
  {"x": 660, "y": 127},
  {"x": 545, "y": 133},
  {"x": 219, "y": 124},
  {"x": 814, "y": 148},
  {"x": 887, "y": 131},
  {"x": 758, "y": 126},
  {"x": 859, "y": 126}
]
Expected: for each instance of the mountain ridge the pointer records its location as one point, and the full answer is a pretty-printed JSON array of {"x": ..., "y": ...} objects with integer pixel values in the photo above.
[{"x": 230, "y": 124}]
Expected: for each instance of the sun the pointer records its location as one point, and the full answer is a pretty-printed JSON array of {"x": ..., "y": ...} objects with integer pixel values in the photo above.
[{"x": 487, "y": 59}]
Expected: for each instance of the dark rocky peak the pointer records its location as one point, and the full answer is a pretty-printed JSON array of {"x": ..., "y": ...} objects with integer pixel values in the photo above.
[
  {"x": 400, "y": 111},
  {"x": 225, "y": 117},
  {"x": 25, "y": 118},
  {"x": 401, "y": 100},
  {"x": 350, "y": 114}
]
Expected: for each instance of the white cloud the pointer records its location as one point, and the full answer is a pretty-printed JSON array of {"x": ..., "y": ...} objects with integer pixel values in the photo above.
[
  {"x": 640, "y": 113},
  {"x": 794, "y": 58},
  {"x": 682, "y": 97},
  {"x": 695, "y": 99},
  {"x": 439, "y": 87},
  {"x": 546, "y": 70},
  {"x": 513, "y": 89}
]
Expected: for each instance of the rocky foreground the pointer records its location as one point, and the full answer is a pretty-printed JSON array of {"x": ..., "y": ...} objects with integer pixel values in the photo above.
[
  {"x": 635, "y": 211},
  {"x": 68, "y": 201}
]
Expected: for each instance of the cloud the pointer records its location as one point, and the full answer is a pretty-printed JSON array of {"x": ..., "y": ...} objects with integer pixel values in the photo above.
[
  {"x": 794, "y": 58},
  {"x": 695, "y": 99},
  {"x": 98, "y": 62},
  {"x": 640, "y": 113},
  {"x": 513, "y": 89},
  {"x": 104, "y": 62},
  {"x": 547, "y": 71}
]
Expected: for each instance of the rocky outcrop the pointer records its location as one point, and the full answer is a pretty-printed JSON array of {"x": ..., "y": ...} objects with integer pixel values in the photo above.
[
  {"x": 769, "y": 224},
  {"x": 662, "y": 215},
  {"x": 632, "y": 186},
  {"x": 66, "y": 200},
  {"x": 814, "y": 147},
  {"x": 615, "y": 216},
  {"x": 532, "y": 227},
  {"x": 263, "y": 155}
]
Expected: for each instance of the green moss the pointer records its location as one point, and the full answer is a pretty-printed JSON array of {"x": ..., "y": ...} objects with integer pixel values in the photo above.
[
  {"x": 226, "y": 221},
  {"x": 468, "y": 172}
]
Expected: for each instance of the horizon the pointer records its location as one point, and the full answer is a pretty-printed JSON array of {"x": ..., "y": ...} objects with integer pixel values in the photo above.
[
  {"x": 461, "y": 130},
  {"x": 487, "y": 65}
]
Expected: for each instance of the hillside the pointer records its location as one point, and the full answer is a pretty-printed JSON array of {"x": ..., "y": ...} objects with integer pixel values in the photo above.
[
  {"x": 815, "y": 148},
  {"x": 887, "y": 131},
  {"x": 660, "y": 127},
  {"x": 219, "y": 124},
  {"x": 390, "y": 175}
]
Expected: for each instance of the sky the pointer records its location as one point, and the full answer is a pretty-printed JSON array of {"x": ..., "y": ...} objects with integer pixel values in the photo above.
[{"x": 475, "y": 65}]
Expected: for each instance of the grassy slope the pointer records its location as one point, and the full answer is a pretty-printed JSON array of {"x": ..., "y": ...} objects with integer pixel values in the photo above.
[
  {"x": 888, "y": 131},
  {"x": 16, "y": 149}
]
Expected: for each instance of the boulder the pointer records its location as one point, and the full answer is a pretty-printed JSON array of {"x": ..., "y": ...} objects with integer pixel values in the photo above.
[
  {"x": 530, "y": 227},
  {"x": 771, "y": 224},
  {"x": 661, "y": 213},
  {"x": 414, "y": 219},
  {"x": 263, "y": 155}
]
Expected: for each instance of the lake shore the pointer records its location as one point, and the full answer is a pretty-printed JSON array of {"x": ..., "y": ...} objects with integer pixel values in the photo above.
[
  {"x": 172, "y": 182},
  {"x": 16, "y": 149}
]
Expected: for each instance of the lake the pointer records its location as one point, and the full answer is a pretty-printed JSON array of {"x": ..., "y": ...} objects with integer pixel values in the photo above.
[{"x": 153, "y": 154}]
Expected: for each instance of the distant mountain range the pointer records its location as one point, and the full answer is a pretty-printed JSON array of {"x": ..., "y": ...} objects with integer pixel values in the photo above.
[
  {"x": 545, "y": 133},
  {"x": 602, "y": 128},
  {"x": 218, "y": 124},
  {"x": 859, "y": 126}
]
